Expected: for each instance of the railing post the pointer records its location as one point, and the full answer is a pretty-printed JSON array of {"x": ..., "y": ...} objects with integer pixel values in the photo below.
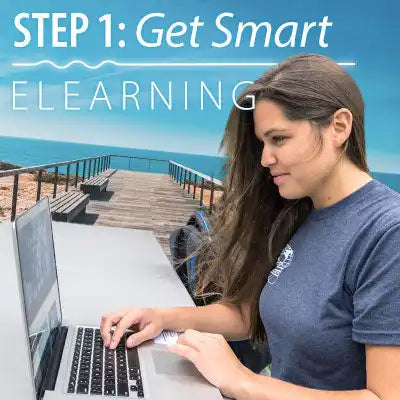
[
  {"x": 194, "y": 186},
  {"x": 180, "y": 175},
  {"x": 201, "y": 191},
  {"x": 101, "y": 163},
  {"x": 76, "y": 174},
  {"x": 39, "y": 185},
  {"x": 211, "y": 194},
  {"x": 94, "y": 167},
  {"x": 67, "y": 181},
  {"x": 90, "y": 168},
  {"x": 84, "y": 171},
  {"x": 14, "y": 197},
  {"x": 98, "y": 166},
  {"x": 184, "y": 180},
  {"x": 55, "y": 182},
  {"x": 190, "y": 178}
]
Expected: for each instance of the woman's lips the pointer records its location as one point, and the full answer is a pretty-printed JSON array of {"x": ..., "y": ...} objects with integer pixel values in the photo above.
[{"x": 278, "y": 179}]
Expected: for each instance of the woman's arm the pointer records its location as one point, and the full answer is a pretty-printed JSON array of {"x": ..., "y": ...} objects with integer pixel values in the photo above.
[
  {"x": 231, "y": 321},
  {"x": 258, "y": 387},
  {"x": 215, "y": 360},
  {"x": 226, "y": 319},
  {"x": 383, "y": 382}
]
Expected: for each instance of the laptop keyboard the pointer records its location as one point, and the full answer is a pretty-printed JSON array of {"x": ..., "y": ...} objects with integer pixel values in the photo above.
[{"x": 97, "y": 370}]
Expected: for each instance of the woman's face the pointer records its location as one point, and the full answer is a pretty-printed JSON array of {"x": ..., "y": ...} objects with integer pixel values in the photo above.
[{"x": 292, "y": 151}]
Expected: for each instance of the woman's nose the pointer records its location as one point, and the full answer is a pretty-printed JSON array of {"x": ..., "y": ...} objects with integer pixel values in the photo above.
[{"x": 267, "y": 157}]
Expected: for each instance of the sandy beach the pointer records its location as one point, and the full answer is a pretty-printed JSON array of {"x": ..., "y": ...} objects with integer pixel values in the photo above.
[{"x": 27, "y": 189}]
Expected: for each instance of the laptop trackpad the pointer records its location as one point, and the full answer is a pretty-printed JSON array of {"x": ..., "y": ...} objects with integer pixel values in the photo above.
[{"x": 171, "y": 364}]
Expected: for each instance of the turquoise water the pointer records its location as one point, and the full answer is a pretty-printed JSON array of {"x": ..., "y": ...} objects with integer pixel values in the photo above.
[{"x": 28, "y": 152}]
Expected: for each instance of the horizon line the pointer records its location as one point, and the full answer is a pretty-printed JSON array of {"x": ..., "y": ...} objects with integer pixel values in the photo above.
[
  {"x": 157, "y": 64},
  {"x": 127, "y": 146}
]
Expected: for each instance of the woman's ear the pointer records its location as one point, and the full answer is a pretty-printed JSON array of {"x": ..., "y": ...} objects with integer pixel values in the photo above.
[{"x": 341, "y": 124}]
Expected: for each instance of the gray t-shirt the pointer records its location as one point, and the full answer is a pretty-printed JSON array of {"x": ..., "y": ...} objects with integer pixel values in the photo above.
[{"x": 336, "y": 287}]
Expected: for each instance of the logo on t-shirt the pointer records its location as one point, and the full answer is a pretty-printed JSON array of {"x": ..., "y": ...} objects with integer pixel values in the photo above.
[{"x": 284, "y": 260}]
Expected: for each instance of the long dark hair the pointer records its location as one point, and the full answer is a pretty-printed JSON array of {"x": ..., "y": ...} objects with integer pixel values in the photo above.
[{"x": 253, "y": 223}]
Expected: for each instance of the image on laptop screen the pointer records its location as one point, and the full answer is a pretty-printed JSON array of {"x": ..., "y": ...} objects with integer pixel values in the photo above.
[{"x": 34, "y": 239}]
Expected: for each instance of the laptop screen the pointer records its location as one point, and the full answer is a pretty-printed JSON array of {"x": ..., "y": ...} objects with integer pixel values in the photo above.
[{"x": 34, "y": 239}]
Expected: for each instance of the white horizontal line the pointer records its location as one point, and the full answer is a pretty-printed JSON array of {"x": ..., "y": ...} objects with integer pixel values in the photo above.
[{"x": 156, "y": 64}]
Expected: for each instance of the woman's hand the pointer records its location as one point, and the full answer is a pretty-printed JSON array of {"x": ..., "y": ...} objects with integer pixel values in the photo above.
[
  {"x": 213, "y": 357},
  {"x": 149, "y": 320}
]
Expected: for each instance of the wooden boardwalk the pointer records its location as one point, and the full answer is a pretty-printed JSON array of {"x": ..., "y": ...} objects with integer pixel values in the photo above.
[{"x": 141, "y": 200}]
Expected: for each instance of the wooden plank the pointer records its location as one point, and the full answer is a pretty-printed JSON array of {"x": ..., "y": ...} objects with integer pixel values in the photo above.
[
  {"x": 99, "y": 182},
  {"x": 74, "y": 210},
  {"x": 95, "y": 180},
  {"x": 142, "y": 200},
  {"x": 63, "y": 199},
  {"x": 59, "y": 198},
  {"x": 72, "y": 203},
  {"x": 69, "y": 205},
  {"x": 108, "y": 172}
]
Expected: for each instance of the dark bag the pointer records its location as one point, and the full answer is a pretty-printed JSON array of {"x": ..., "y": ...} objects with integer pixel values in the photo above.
[{"x": 183, "y": 242}]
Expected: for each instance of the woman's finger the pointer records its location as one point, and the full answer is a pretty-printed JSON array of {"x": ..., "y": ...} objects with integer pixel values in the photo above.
[
  {"x": 192, "y": 338},
  {"x": 107, "y": 322},
  {"x": 184, "y": 351},
  {"x": 137, "y": 338},
  {"x": 125, "y": 322}
]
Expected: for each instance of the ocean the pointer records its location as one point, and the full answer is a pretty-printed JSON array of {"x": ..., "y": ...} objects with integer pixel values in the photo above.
[{"x": 29, "y": 152}]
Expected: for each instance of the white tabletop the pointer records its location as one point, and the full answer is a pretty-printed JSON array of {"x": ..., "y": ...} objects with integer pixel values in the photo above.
[{"x": 100, "y": 269}]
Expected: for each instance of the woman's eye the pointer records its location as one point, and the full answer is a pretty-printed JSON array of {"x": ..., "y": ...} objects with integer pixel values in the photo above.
[{"x": 278, "y": 139}]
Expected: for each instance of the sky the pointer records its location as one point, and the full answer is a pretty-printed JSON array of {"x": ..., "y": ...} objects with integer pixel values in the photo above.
[{"x": 365, "y": 33}]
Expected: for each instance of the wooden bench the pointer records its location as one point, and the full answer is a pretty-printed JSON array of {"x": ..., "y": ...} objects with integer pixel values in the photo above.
[
  {"x": 95, "y": 185},
  {"x": 68, "y": 206},
  {"x": 108, "y": 172}
]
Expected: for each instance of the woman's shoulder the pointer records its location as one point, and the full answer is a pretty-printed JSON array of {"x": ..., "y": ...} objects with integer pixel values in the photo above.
[
  {"x": 376, "y": 233},
  {"x": 382, "y": 206},
  {"x": 376, "y": 220}
]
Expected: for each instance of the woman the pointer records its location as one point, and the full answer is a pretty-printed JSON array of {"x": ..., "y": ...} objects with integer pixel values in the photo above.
[{"x": 307, "y": 250}]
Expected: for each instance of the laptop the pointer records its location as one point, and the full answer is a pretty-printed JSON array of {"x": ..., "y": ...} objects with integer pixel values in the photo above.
[{"x": 71, "y": 361}]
